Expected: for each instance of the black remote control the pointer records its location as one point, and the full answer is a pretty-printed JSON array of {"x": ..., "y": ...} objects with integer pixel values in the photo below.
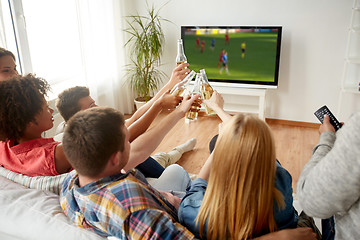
[{"x": 325, "y": 110}]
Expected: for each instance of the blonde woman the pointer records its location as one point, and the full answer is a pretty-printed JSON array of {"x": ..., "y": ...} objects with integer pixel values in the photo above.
[{"x": 248, "y": 193}]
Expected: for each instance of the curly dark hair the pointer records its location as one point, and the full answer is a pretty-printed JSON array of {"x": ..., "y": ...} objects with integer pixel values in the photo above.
[
  {"x": 21, "y": 99},
  {"x": 68, "y": 101},
  {"x": 4, "y": 52}
]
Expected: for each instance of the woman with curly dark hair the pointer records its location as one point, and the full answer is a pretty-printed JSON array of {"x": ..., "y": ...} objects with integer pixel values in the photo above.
[
  {"x": 7, "y": 65},
  {"x": 24, "y": 116}
]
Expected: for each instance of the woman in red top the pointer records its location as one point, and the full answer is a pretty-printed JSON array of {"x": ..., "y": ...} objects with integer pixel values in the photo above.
[{"x": 24, "y": 116}]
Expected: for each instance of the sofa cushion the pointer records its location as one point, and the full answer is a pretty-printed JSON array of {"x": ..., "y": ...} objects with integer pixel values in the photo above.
[{"x": 35, "y": 214}]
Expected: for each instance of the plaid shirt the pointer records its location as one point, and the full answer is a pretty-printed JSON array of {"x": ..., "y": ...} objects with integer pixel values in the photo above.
[{"x": 122, "y": 205}]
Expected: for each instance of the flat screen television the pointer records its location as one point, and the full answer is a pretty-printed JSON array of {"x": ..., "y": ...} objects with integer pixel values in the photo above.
[{"x": 236, "y": 56}]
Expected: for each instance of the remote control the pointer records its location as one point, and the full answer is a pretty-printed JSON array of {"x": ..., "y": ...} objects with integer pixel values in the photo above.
[{"x": 325, "y": 110}]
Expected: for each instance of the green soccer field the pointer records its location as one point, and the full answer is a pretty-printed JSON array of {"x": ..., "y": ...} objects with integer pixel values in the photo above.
[{"x": 258, "y": 63}]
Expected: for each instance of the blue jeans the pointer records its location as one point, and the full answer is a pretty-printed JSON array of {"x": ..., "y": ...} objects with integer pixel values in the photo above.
[
  {"x": 150, "y": 168},
  {"x": 328, "y": 228},
  {"x": 212, "y": 143}
]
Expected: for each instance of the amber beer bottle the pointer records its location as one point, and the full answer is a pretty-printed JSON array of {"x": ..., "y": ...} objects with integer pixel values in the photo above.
[
  {"x": 180, "y": 57},
  {"x": 192, "y": 114},
  {"x": 206, "y": 91},
  {"x": 180, "y": 88}
]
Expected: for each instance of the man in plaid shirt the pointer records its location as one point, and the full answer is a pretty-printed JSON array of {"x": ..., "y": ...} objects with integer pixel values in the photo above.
[{"x": 106, "y": 195}]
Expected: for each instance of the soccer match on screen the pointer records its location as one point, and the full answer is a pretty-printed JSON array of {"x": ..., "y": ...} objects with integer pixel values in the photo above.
[{"x": 248, "y": 54}]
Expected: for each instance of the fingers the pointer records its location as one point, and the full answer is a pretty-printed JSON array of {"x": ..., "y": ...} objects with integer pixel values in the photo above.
[
  {"x": 195, "y": 96},
  {"x": 308, "y": 233},
  {"x": 182, "y": 67},
  {"x": 326, "y": 125},
  {"x": 178, "y": 99},
  {"x": 326, "y": 119},
  {"x": 186, "y": 97},
  {"x": 181, "y": 70}
]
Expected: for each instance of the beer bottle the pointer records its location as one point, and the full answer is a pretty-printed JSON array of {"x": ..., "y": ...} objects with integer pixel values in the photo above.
[
  {"x": 206, "y": 91},
  {"x": 180, "y": 58},
  {"x": 192, "y": 114},
  {"x": 180, "y": 88}
]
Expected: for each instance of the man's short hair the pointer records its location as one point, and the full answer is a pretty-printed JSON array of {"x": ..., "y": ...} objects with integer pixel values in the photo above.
[
  {"x": 68, "y": 101},
  {"x": 21, "y": 99},
  {"x": 91, "y": 137}
]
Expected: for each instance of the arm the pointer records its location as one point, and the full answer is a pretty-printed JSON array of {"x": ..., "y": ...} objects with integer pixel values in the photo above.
[
  {"x": 293, "y": 234},
  {"x": 155, "y": 223},
  {"x": 62, "y": 165},
  {"x": 178, "y": 74},
  {"x": 146, "y": 143},
  {"x": 329, "y": 182},
  {"x": 166, "y": 101},
  {"x": 173, "y": 200},
  {"x": 216, "y": 103},
  {"x": 205, "y": 170}
]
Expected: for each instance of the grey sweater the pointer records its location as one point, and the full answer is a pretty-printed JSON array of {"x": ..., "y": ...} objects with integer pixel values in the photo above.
[{"x": 329, "y": 184}]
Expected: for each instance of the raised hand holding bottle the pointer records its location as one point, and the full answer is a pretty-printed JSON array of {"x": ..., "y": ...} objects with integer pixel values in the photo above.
[
  {"x": 192, "y": 114},
  {"x": 206, "y": 91},
  {"x": 181, "y": 88}
]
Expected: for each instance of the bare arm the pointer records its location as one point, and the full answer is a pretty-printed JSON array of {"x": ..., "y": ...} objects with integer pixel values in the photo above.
[
  {"x": 293, "y": 234},
  {"x": 216, "y": 103},
  {"x": 62, "y": 165},
  {"x": 178, "y": 74},
  {"x": 166, "y": 101},
  {"x": 205, "y": 170},
  {"x": 146, "y": 143}
]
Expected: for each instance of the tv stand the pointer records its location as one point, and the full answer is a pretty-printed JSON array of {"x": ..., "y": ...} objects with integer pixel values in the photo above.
[{"x": 243, "y": 100}]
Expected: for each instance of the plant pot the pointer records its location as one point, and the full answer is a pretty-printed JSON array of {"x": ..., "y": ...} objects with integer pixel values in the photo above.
[{"x": 139, "y": 102}]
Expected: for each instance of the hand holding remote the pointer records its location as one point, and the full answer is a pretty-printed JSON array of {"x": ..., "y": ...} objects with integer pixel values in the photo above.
[
  {"x": 326, "y": 125},
  {"x": 320, "y": 113}
]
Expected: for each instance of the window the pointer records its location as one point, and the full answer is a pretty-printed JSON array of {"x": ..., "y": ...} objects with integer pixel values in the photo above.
[{"x": 48, "y": 40}]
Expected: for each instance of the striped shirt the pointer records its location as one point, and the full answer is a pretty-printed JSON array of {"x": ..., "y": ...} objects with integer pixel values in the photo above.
[{"x": 122, "y": 205}]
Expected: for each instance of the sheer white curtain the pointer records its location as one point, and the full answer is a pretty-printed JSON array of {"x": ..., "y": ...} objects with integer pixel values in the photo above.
[
  {"x": 101, "y": 38},
  {"x": 2, "y": 28},
  {"x": 7, "y": 39}
]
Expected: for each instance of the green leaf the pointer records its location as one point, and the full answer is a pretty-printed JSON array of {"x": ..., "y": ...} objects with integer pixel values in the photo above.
[{"x": 146, "y": 44}]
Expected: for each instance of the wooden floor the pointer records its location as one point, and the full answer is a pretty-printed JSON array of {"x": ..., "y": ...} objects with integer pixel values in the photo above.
[{"x": 294, "y": 142}]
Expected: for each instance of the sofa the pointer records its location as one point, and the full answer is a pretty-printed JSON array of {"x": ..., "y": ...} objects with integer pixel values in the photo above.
[{"x": 28, "y": 213}]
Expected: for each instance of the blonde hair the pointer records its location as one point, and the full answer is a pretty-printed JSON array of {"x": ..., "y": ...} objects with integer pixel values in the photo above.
[{"x": 239, "y": 199}]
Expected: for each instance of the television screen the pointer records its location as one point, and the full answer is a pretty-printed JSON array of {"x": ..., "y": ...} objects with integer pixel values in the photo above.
[{"x": 235, "y": 55}]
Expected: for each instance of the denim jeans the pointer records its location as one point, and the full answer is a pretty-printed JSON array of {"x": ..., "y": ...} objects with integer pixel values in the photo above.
[
  {"x": 212, "y": 143},
  {"x": 328, "y": 228},
  {"x": 150, "y": 168}
]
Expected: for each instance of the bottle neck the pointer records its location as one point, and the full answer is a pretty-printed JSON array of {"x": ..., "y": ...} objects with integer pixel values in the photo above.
[
  {"x": 180, "y": 53},
  {"x": 197, "y": 84},
  {"x": 204, "y": 77}
]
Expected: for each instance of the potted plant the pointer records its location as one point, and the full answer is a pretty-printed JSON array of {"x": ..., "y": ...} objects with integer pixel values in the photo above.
[{"x": 146, "y": 43}]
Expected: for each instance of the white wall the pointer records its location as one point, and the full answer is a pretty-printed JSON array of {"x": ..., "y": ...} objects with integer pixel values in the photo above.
[{"x": 313, "y": 44}]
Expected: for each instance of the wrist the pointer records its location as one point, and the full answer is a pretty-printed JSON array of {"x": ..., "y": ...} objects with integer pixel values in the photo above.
[
  {"x": 216, "y": 108},
  {"x": 169, "y": 85},
  {"x": 179, "y": 112},
  {"x": 158, "y": 104}
]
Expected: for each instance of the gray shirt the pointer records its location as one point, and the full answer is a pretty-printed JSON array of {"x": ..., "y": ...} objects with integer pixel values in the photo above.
[{"x": 329, "y": 184}]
